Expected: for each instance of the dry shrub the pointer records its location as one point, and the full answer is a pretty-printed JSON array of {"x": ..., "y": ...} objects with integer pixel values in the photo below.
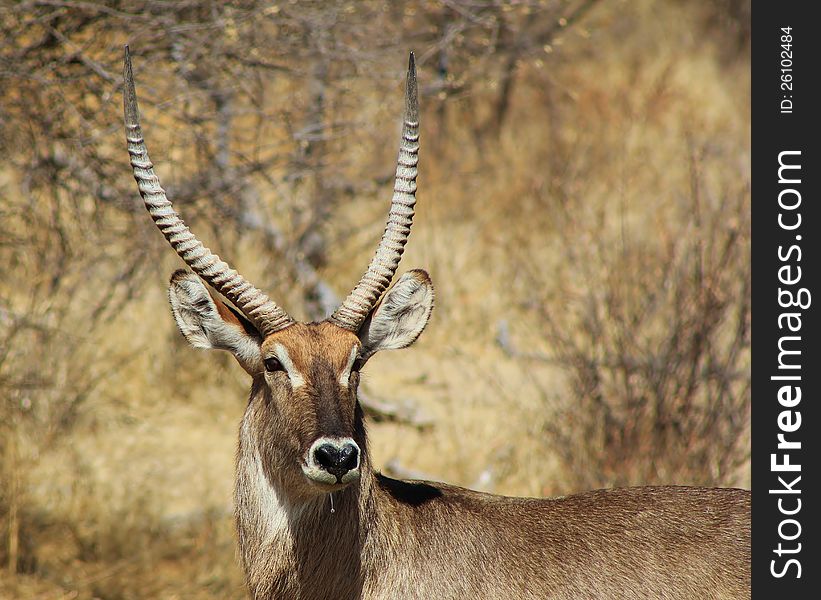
[
  {"x": 620, "y": 226},
  {"x": 650, "y": 323}
]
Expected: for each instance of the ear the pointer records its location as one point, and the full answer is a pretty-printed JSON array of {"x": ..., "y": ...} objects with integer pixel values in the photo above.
[
  {"x": 208, "y": 323},
  {"x": 400, "y": 317}
]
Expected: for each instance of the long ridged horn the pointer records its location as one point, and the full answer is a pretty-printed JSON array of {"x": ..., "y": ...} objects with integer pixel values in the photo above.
[
  {"x": 385, "y": 261},
  {"x": 266, "y": 316}
]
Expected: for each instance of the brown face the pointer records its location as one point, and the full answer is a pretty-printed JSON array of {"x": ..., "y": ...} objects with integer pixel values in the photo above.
[
  {"x": 308, "y": 421},
  {"x": 303, "y": 426}
]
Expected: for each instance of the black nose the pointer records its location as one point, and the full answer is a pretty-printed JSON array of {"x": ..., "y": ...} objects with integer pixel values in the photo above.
[{"x": 337, "y": 460}]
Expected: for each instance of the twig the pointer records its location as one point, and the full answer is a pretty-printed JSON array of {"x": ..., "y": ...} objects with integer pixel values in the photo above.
[
  {"x": 394, "y": 467},
  {"x": 406, "y": 413}
]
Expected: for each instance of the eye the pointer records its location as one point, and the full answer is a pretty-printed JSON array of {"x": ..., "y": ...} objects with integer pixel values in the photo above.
[{"x": 272, "y": 364}]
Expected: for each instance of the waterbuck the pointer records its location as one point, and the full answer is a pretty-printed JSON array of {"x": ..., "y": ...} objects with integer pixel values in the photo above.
[{"x": 314, "y": 520}]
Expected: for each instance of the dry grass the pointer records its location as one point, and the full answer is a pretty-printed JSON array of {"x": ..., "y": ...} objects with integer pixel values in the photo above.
[{"x": 608, "y": 214}]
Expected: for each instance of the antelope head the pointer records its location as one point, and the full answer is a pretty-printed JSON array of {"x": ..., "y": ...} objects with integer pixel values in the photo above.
[{"x": 303, "y": 422}]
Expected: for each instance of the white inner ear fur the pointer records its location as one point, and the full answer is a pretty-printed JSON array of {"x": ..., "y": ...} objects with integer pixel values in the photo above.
[
  {"x": 297, "y": 380},
  {"x": 199, "y": 321},
  {"x": 346, "y": 371},
  {"x": 401, "y": 315}
]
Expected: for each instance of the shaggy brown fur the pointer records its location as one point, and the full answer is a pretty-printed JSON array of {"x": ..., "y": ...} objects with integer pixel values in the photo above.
[{"x": 397, "y": 539}]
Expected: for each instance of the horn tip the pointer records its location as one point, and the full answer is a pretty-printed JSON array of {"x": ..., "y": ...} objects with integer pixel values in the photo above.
[
  {"x": 129, "y": 93},
  {"x": 412, "y": 69},
  {"x": 411, "y": 100}
]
